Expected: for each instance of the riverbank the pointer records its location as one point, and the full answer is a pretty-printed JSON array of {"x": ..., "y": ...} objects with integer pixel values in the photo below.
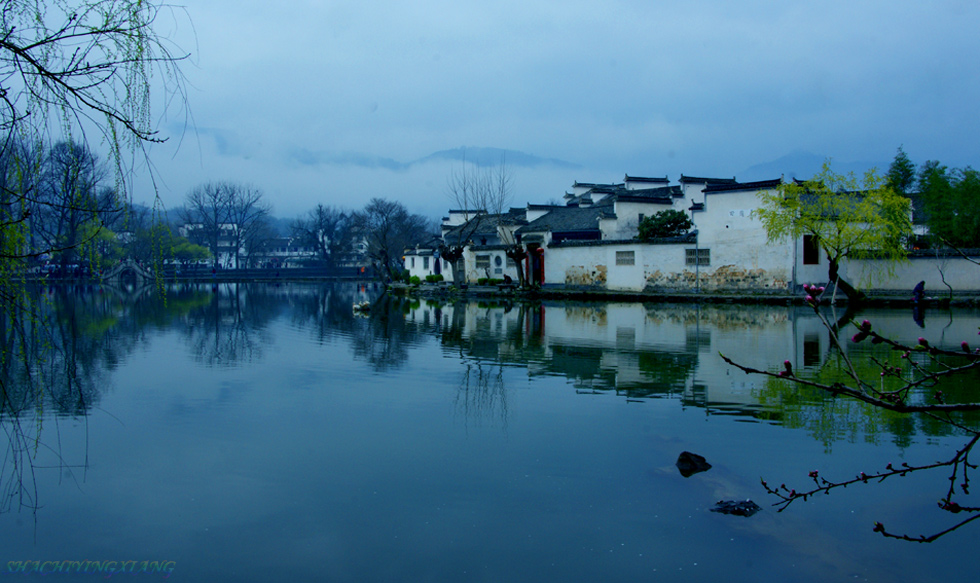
[{"x": 873, "y": 298}]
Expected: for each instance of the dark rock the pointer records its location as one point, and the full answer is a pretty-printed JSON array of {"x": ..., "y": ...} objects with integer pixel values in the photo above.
[
  {"x": 691, "y": 463},
  {"x": 742, "y": 508}
]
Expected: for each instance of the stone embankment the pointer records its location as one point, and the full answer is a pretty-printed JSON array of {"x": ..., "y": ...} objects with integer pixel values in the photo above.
[{"x": 885, "y": 299}]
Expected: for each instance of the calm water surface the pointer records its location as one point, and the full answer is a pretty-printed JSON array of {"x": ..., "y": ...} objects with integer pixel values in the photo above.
[{"x": 267, "y": 433}]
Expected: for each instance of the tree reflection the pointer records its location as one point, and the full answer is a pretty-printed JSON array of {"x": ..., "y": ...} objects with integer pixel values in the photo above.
[
  {"x": 232, "y": 327},
  {"x": 933, "y": 387},
  {"x": 481, "y": 394},
  {"x": 384, "y": 337}
]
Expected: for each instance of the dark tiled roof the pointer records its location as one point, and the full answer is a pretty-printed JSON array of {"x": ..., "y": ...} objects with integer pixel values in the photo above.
[
  {"x": 652, "y": 195},
  {"x": 701, "y": 180},
  {"x": 578, "y": 184},
  {"x": 568, "y": 219},
  {"x": 737, "y": 186},
  {"x": 668, "y": 200},
  {"x": 662, "y": 192},
  {"x": 645, "y": 179},
  {"x": 486, "y": 225}
]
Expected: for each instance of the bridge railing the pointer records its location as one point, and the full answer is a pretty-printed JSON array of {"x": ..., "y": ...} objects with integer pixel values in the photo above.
[{"x": 202, "y": 273}]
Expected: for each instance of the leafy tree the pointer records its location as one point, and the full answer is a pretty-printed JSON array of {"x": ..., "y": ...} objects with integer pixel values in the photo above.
[
  {"x": 187, "y": 252},
  {"x": 78, "y": 67},
  {"x": 666, "y": 223},
  {"x": 951, "y": 200},
  {"x": 850, "y": 219},
  {"x": 901, "y": 173}
]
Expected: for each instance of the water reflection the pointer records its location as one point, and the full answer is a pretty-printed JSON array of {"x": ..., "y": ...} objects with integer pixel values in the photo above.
[
  {"x": 59, "y": 353},
  {"x": 59, "y": 357},
  {"x": 641, "y": 351},
  {"x": 494, "y": 433}
]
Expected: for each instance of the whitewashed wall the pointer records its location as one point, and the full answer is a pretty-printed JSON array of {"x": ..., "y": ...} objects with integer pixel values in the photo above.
[
  {"x": 505, "y": 267},
  {"x": 421, "y": 263},
  {"x": 740, "y": 255},
  {"x": 960, "y": 274}
]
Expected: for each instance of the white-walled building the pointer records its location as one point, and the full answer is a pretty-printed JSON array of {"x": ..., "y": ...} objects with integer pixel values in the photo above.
[{"x": 591, "y": 243}]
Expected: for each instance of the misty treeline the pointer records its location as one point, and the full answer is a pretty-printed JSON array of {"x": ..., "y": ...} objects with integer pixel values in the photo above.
[
  {"x": 63, "y": 194},
  {"x": 947, "y": 200},
  {"x": 379, "y": 233},
  {"x": 71, "y": 215}
]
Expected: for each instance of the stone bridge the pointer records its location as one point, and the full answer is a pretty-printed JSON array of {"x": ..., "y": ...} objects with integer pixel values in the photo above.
[{"x": 128, "y": 271}]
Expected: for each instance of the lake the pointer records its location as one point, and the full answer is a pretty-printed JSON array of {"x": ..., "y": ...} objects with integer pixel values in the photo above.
[{"x": 269, "y": 433}]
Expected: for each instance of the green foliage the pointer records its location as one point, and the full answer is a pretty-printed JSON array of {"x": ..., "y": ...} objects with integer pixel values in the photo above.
[
  {"x": 667, "y": 223},
  {"x": 434, "y": 278},
  {"x": 84, "y": 68},
  {"x": 951, "y": 201},
  {"x": 901, "y": 173},
  {"x": 415, "y": 280},
  {"x": 850, "y": 218}
]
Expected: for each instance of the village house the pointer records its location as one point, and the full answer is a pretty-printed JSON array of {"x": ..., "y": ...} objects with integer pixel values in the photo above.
[{"x": 591, "y": 242}]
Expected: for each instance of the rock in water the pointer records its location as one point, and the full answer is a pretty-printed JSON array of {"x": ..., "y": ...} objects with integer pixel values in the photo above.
[
  {"x": 691, "y": 463},
  {"x": 742, "y": 508}
]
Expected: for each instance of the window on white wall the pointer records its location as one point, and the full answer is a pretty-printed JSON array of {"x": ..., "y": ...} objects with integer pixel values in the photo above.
[
  {"x": 698, "y": 256},
  {"x": 483, "y": 262},
  {"x": 425, "y": 263},
  {"x": 625, "y": 258},
  {"x": 811, "y": 250}
]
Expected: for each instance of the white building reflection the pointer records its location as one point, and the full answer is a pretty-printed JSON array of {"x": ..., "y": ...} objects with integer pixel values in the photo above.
[{"x": 661, "y": 350}]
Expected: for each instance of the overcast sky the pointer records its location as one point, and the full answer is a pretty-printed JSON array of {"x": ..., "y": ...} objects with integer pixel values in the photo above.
[{"x": 334, "y": 101}]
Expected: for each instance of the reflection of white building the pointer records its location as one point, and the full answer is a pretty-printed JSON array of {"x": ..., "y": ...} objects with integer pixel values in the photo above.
[{"x": 640, "y": 349}]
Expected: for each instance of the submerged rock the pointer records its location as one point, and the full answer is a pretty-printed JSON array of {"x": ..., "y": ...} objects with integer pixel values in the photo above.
[
  {"x": 691, "y": 463},
  {"x": 738, "y": 508}
]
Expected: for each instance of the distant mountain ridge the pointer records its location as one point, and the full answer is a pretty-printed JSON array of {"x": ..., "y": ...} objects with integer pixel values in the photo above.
[
  {"x": 480, "y": 156},
  {"x": 804, "y": 165},
  {"x": 483, "y": 157}
]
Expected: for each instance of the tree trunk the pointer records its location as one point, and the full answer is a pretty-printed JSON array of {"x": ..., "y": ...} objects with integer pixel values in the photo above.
[
  {"x": 853, "y": 295},
  {"x": 518, "y": 254}
]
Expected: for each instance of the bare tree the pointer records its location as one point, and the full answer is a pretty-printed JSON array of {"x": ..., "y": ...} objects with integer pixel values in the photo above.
[
  {"x": 259, "y": 241},
  {"x": 326, "y": 229},
  {"x": 246, "y": 214},
  {"x": 72, "y": 204},
  {"x": 481, "y": 195},
  {"x": 207, "y": 210},
  {"x": 388, "y": 228}
]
